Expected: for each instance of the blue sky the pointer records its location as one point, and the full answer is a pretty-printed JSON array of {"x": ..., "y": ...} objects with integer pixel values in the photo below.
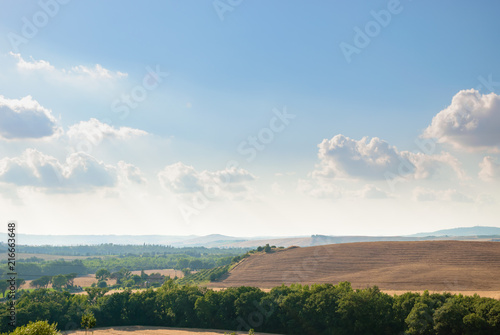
[{"x": 425, "y": 73}]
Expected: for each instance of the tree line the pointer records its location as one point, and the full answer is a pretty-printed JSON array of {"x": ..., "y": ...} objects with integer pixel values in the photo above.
[
  {"x": 296, "y": 309},
  {"x": 106, "y": 249},
  {"x": 40, "y": 268}
]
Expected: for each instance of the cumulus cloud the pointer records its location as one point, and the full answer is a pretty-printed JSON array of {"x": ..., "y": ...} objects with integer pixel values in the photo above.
[
  {"x": 130, "y": 173},
  {"x": 427, "y": 166},
  {"x": 94, "y": 132},
  {"x": 26, "y": 119},
  {"x": 374, "y": 159},
  {"x": 423, "y": 194},
  {"x": 471, "y": 122},
  {"x": 342, "y": 156},
  {"x": 489, "y": 169},
  {"x": 79, "y": 71},
  {"x": 183, "y": 179},
  {"x": 80, "y": 172},
  {"x": 32, "y": 64},
  {"x": 180, "y": 178}
]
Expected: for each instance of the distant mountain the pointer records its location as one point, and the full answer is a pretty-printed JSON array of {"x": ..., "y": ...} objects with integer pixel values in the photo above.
[
  {"x": 463, "y": 231},
  {"x": 208, "y": 241}
]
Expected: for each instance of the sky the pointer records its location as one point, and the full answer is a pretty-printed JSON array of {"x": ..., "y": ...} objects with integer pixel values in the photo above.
[{"x": 249, "y": 118}]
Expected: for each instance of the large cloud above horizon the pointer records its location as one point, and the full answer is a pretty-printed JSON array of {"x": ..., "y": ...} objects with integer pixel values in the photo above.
[
  {"x": 26, "y": 119},
  {"x": 184, "y": 179},
  {"x": 79, "y": 173},
  {"x": 374, "y": 159},
  {"x": 471, "y": 122}
]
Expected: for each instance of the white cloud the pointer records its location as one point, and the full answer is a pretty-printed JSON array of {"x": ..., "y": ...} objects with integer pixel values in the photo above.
[
  {"x": 130, "y": 173},
  {"x": 423, "y": 194},
  {"x": 96, "y": 72},
  {"x": 33, "y": 64},
  {"x": 79, "y": 173},
  {"x": 472, "y": 122},
  {"x": 373, "y": 192},
  {"x": 183, "y": 179},
  {"x": 344, "y": 158},
  {"x": 76, "y": 72},
  {"x": 180, "y": 178},
  {"x": 427, "y": 166},
  {"x": 94, "y": 132},
  {"x": 490, "y": 169},
  {"x": 26, "y": 119}
]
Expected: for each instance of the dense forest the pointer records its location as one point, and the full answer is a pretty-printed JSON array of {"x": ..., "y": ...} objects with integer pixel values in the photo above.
[{"x": 298, "y": 309}]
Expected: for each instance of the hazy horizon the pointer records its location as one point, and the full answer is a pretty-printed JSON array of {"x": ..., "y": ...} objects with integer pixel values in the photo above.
[{"x": 253, "y": 119}]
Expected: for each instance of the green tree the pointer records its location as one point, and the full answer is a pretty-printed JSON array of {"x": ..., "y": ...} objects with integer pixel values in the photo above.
[
  {"x": 71, "y": 277},
  {"x": 448, "y": 319},
  {"x": 267, "y": 248},
  {"x": 474, "y": 324},
  {"x": 37, "y": 328},
  {"x": 3, "y": 286},
  {"x": 420, "y": 321},
  {"x": 102, "y": 284},
  {"x": 94, "y": 293},
  {"x": 182, "y": 263},
  {"x": 59, "y": 281},
  {"x": 88, "y": 321},
  {"x": 102, "y": 274},
  {"x": 367, "y": 311},
  {"x": 41, "y": 282},
  {"x": 136, "y": 278}
]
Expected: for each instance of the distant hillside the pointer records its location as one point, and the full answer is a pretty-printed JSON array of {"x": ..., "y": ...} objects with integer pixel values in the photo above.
[
  {"x": 28, "y": 239},
  {"x": 432, "y": 265},
  {"x": 225, "y": 241},
  {"x": 212, "y": 240},
  {"x": 463, "y": 231}
]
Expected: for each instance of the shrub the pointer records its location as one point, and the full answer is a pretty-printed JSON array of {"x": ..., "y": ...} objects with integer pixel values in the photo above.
[
  {"x": 102, "y": 284},
  {"x": 37, "y": 328}
]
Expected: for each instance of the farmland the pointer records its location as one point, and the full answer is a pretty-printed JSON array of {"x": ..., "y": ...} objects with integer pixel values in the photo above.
[
  {"x": 397, "y": 266},
  {"x": 155, "y": 331}
]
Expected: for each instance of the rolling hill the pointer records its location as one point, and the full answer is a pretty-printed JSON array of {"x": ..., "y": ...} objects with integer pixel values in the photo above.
[
  {"x": 432, "y": 265},
  {"x": 217, "y": 240}
]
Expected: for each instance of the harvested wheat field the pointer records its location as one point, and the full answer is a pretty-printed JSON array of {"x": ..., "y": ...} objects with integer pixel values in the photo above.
[
  {"x": 136, "y": 330},
  {"x": 452, "y": 266}
]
